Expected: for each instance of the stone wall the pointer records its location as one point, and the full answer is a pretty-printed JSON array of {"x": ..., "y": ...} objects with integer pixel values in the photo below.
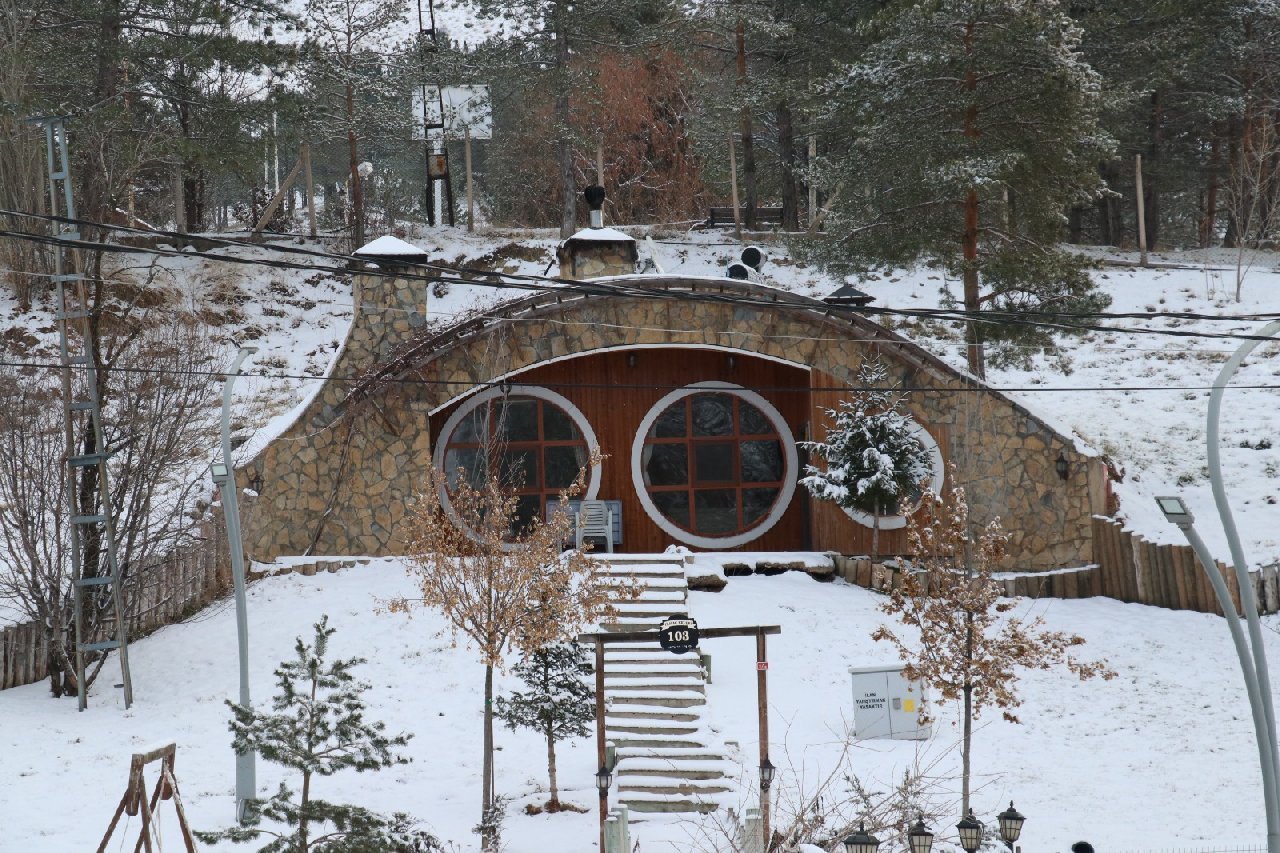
[
  {"x": 583, "y": 259},
  {"x": 338, "y": 482}
]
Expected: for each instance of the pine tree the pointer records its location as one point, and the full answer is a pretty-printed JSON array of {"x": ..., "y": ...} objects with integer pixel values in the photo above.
[
  {"x": 974, "y": 128},
  {"x": 874, "y": 457},
  {"x": 968, "y": 648},
  {"x": 558, "y": 704},
  {"x": 317, "y": 727}
]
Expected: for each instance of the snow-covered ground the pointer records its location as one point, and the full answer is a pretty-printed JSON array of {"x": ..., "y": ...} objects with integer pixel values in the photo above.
[{"x": 1160, "y": 757}]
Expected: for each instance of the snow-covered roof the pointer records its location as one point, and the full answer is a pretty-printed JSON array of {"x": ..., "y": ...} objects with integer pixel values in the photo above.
[
  {"x": 603, "y": 234},
  {"x": 390, "y": 247}
]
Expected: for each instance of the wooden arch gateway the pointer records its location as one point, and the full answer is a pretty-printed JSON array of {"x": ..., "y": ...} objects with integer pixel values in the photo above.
[{"x": 338, "y": 480}]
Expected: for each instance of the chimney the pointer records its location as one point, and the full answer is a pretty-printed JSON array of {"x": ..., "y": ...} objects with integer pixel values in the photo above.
[
  {"x": 597, "y": 251},
  {"x": 389, "y": 309}
]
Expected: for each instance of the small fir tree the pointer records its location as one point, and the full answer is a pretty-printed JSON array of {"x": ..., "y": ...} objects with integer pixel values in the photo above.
[
  {"x": 558, "y": 704},
  {"x": 874, "y": 459},
  {"x": 317, "y": 727},
  {"x": 968, "y": 649}
]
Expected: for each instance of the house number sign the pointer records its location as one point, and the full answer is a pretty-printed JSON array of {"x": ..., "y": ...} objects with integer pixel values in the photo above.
[{"x": 678, "y": 634}]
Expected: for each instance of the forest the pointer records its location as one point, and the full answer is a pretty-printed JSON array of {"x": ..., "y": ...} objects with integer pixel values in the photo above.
[{"x": 978, "y": 135}]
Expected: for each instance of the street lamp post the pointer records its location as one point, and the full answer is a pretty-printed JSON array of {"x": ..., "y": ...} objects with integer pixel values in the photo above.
[
  {"x": 861, "y": 841},
  {"x": 224, "y": 476},
  {"x": 604, "y": 778},
  {"x": 1011, "y": 821},
  {"x": 920, "y": 839},
  {"x": 1247, "y": 600},
  {"x": 970, "y": 829},
  {"x": 1177, "y": 513}
]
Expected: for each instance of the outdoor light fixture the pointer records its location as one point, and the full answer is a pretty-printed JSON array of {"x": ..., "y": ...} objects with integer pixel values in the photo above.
[
  {"x": 1175, "y": 510},
  {"x": 1062, "y": 466},
  {"x": 604, "y": 778},
  {"x": 1011, "y": 821},
  {"x": 631, "y": 359},
  {"x": 861, "y": 842},
  {"x": 733, "y": 362},
  {"x": 920, "y": 839},
  {"x": 970, "y": 829},
  {"x": 219, "y": 472},
  {"x": 766, "y": 773}
]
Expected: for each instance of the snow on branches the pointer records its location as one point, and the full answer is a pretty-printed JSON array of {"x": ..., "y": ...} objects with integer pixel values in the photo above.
[{"x": 873, "y": 456}]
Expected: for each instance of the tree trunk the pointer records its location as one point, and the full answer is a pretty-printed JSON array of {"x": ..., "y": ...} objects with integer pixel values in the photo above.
[
  {"x": 487, "y": 765},
  {"x": 303, "y": 823},
  {"x": 1208, "y": 218},
  {"x": 564, "y": 146},
  {"x": 1151, "y": 189},
  {"x": 1108, "y": 207},
  {"x": 967, "y": 736},
  {"x": 357, "y": 192},
  {"x": 969, "y": 239},
  {"x": 748, "y": 141},
  {"x": 966, "y": 742},
  {"x": 875, "y": 534},
  {"x": 553, "y": 804},
  {"x": 1075, "y": 225},
  {"x": 787, "y": 154}
]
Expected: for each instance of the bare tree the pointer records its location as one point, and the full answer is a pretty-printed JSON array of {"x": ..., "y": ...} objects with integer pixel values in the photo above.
[
  {"x": 503, "y": 590},
  {"x": 1253, "y": 189},
  {"x": 969, "y": 649},
  {"x": 159, "y": 420}
]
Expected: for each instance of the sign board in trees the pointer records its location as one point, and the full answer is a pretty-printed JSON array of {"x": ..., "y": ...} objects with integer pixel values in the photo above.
[
  {"x": 465, "y": 107},
  {"x": 678, "y": 634}
]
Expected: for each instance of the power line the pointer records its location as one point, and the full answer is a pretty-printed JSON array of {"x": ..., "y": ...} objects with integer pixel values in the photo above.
[
  {"x": 535, "y": 283},
  {"x": 645, "y": 386}
]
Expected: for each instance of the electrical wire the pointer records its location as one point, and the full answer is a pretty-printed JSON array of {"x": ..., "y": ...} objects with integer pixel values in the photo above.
[{"x": 639, "y": 386}]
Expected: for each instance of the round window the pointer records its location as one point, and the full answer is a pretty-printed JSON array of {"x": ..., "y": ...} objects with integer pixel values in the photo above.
[
  {"x": 534, "y": 440},
  {"x": 714, "y": 465}
]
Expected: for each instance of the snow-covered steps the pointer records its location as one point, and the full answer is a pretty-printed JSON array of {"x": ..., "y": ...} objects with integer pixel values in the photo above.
[{"x": 668, "y": 760}]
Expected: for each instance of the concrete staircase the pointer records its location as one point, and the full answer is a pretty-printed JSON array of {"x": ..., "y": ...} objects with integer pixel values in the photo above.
[{"x": 668, "y": 759}]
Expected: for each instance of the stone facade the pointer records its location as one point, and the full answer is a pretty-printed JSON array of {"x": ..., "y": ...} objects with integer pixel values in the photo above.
[
  {"x": 583, "y": 259},
  {"x": 338, "y": 481}
]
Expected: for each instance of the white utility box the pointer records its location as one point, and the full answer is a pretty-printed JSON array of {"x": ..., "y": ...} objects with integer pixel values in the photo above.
[{"x": 886, "y": 705}]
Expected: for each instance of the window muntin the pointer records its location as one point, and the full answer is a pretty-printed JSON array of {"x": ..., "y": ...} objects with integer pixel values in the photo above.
[
  {"x": 713, "y": 464},
  {"x": 535, "y": 442}
]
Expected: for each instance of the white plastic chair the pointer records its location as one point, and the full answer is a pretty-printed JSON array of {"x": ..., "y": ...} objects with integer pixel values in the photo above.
[{"x": 593, "y": 519}]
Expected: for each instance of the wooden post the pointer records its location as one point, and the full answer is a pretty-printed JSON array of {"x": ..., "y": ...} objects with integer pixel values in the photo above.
[
  {"x": 1142, "y": 212},
  {"x": 733, "y": 190},
  {"x": 600, "y": 161},
  {"x": 311, "y": 187},
  {"x": 179, "y": 203},
  {"x": 762, "y": 697},
  {"x": 274, "y": 204},
  {"x": 466, "y": 155},
  {"x": 600, "y": 745}
]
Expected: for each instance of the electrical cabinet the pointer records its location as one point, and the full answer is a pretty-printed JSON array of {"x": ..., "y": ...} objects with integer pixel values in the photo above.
[{"x": 886, "y": 705}]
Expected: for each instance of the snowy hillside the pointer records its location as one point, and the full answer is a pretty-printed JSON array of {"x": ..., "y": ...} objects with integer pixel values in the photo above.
[{"x": 1168, "y": 740}]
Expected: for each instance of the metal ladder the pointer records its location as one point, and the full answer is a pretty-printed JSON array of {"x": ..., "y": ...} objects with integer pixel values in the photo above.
[{"x": 94, "y": 586}]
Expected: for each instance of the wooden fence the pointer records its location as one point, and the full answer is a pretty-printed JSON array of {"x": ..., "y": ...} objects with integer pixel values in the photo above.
[
  {"x": 165, "y": 592},
  {"x": 1127, "y": 568}
]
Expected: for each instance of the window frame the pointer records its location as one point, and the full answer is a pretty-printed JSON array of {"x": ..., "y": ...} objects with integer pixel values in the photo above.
[
  {"x": 781, "y": 431},
  {"x": 489, "y": 395}
]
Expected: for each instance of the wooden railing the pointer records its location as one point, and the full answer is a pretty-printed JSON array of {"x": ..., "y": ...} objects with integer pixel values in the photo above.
[
  {"x": 1127, "y": 568},
  {"x": 182, "y": 582}
]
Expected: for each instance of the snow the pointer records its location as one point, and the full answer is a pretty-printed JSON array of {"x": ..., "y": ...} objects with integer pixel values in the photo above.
[
  {"x": 1169, "y": 739},
  {"x": 603, "y": 234},
  {"x": 389, "y": 246}
]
